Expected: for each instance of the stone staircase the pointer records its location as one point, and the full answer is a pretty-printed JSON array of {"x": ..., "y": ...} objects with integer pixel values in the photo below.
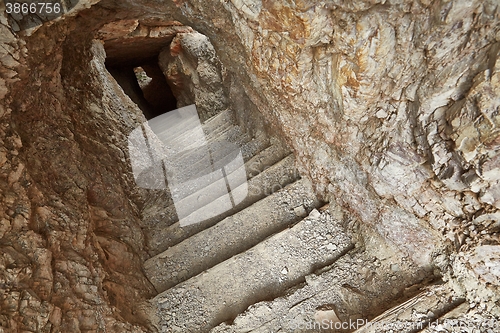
[
  {"x": 277, "y": 262},
  {"x": 161, "y": 227}
]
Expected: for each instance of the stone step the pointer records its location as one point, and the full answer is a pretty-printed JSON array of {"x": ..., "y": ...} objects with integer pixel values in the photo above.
[
  {"x": 223, "y": 127},
  {"x": 263, "y": 184},
  {"x": 231, "y": 236},
  {"x": 416, "y": 314},
  {"x": 213, "y": 126},
  {"x": 184, "y": 132},
  {"x": 218, "y": 128},
  {"x": 339, "y": 298},
  {"x": 191, "y": 153},
  {"x": 155, "y": 221},
  {"x": 265, "y": 159},
  {"x": 215, "y": 144},
  {"x": 227, "y": 159},
  {"x": 263, "y": 272}
]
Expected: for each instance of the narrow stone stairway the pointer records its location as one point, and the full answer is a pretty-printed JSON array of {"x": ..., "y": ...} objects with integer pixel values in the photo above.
[{"x": 277, "y": 262}]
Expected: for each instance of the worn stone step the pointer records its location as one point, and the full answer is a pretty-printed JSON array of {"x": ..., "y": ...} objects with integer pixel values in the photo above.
[
  {"x": 231, "y": 236},
  {"x": 266, "y": 183},
  {"x": 218, "y": 128},
  {"x": 159, "y": 214},
  {"x": 417, "y": 313},
  {"x": 219, "y": 123},
  {"x": 262, "y": 272},
  {"x": 223, "y": 127},
  {"x": 207, "y": 175},
  {"x": 216, "y": 142},
  {"x": 186, "y": 131},
  {"x": 190, "y": 151},
  {"x": 271, "y": 180},
  {"x": 253, "y": 166},
  {"x": 228, "y": 160},
  {"x": 160, "y": 211},
  {"x": 251, "y": 148},
  {"x": 265, "y": 159},
  {"x": 340, "y": 298}
]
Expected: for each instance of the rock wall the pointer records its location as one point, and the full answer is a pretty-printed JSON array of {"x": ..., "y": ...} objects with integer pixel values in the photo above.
[
  {"x": 71, "y": 243},
  {"x": 192, "y": 66},
  {"x": 391, "y": 108}
]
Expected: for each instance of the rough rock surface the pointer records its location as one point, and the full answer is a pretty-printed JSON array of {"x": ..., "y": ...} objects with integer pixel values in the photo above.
[
  {"x": 70, "y": 237},
  {"x": 192, "y": 67},
  {"x": 390, "y": 106}
]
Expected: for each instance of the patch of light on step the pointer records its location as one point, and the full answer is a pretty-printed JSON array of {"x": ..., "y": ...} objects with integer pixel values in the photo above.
[{"x": 204, "y": 179}]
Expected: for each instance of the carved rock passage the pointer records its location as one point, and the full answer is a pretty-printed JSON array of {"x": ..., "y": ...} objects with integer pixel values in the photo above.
[{"x": 390, "y": 107}]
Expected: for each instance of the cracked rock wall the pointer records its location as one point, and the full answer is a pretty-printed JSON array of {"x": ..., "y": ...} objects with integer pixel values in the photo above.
[
  {"x": 391, "y": 108},
  {"x": 70, "y": 245}
]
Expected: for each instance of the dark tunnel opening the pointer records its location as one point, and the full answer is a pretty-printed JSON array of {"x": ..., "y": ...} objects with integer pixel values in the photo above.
[{"x": 146, "y": 86}]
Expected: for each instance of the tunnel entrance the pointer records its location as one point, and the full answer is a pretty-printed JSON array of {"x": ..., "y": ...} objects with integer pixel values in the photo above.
[
  {"x": 165, "y": 66},
  {"x": 146, "y": 86},
  {"x": 132, "y": 55},
  {"x": 155, "y": 88}
]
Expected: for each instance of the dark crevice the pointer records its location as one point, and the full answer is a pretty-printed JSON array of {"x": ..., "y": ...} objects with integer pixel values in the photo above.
[
  {"x": 157, "y": 92},
  {"x": 146, "y": 86}
]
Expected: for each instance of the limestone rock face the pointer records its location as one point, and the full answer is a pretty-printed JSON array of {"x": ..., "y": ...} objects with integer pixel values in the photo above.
[
  {"x": 192, "y": 68},
  {"x": 70, "y": 241},
  {"x": 391, "y": 108}
]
